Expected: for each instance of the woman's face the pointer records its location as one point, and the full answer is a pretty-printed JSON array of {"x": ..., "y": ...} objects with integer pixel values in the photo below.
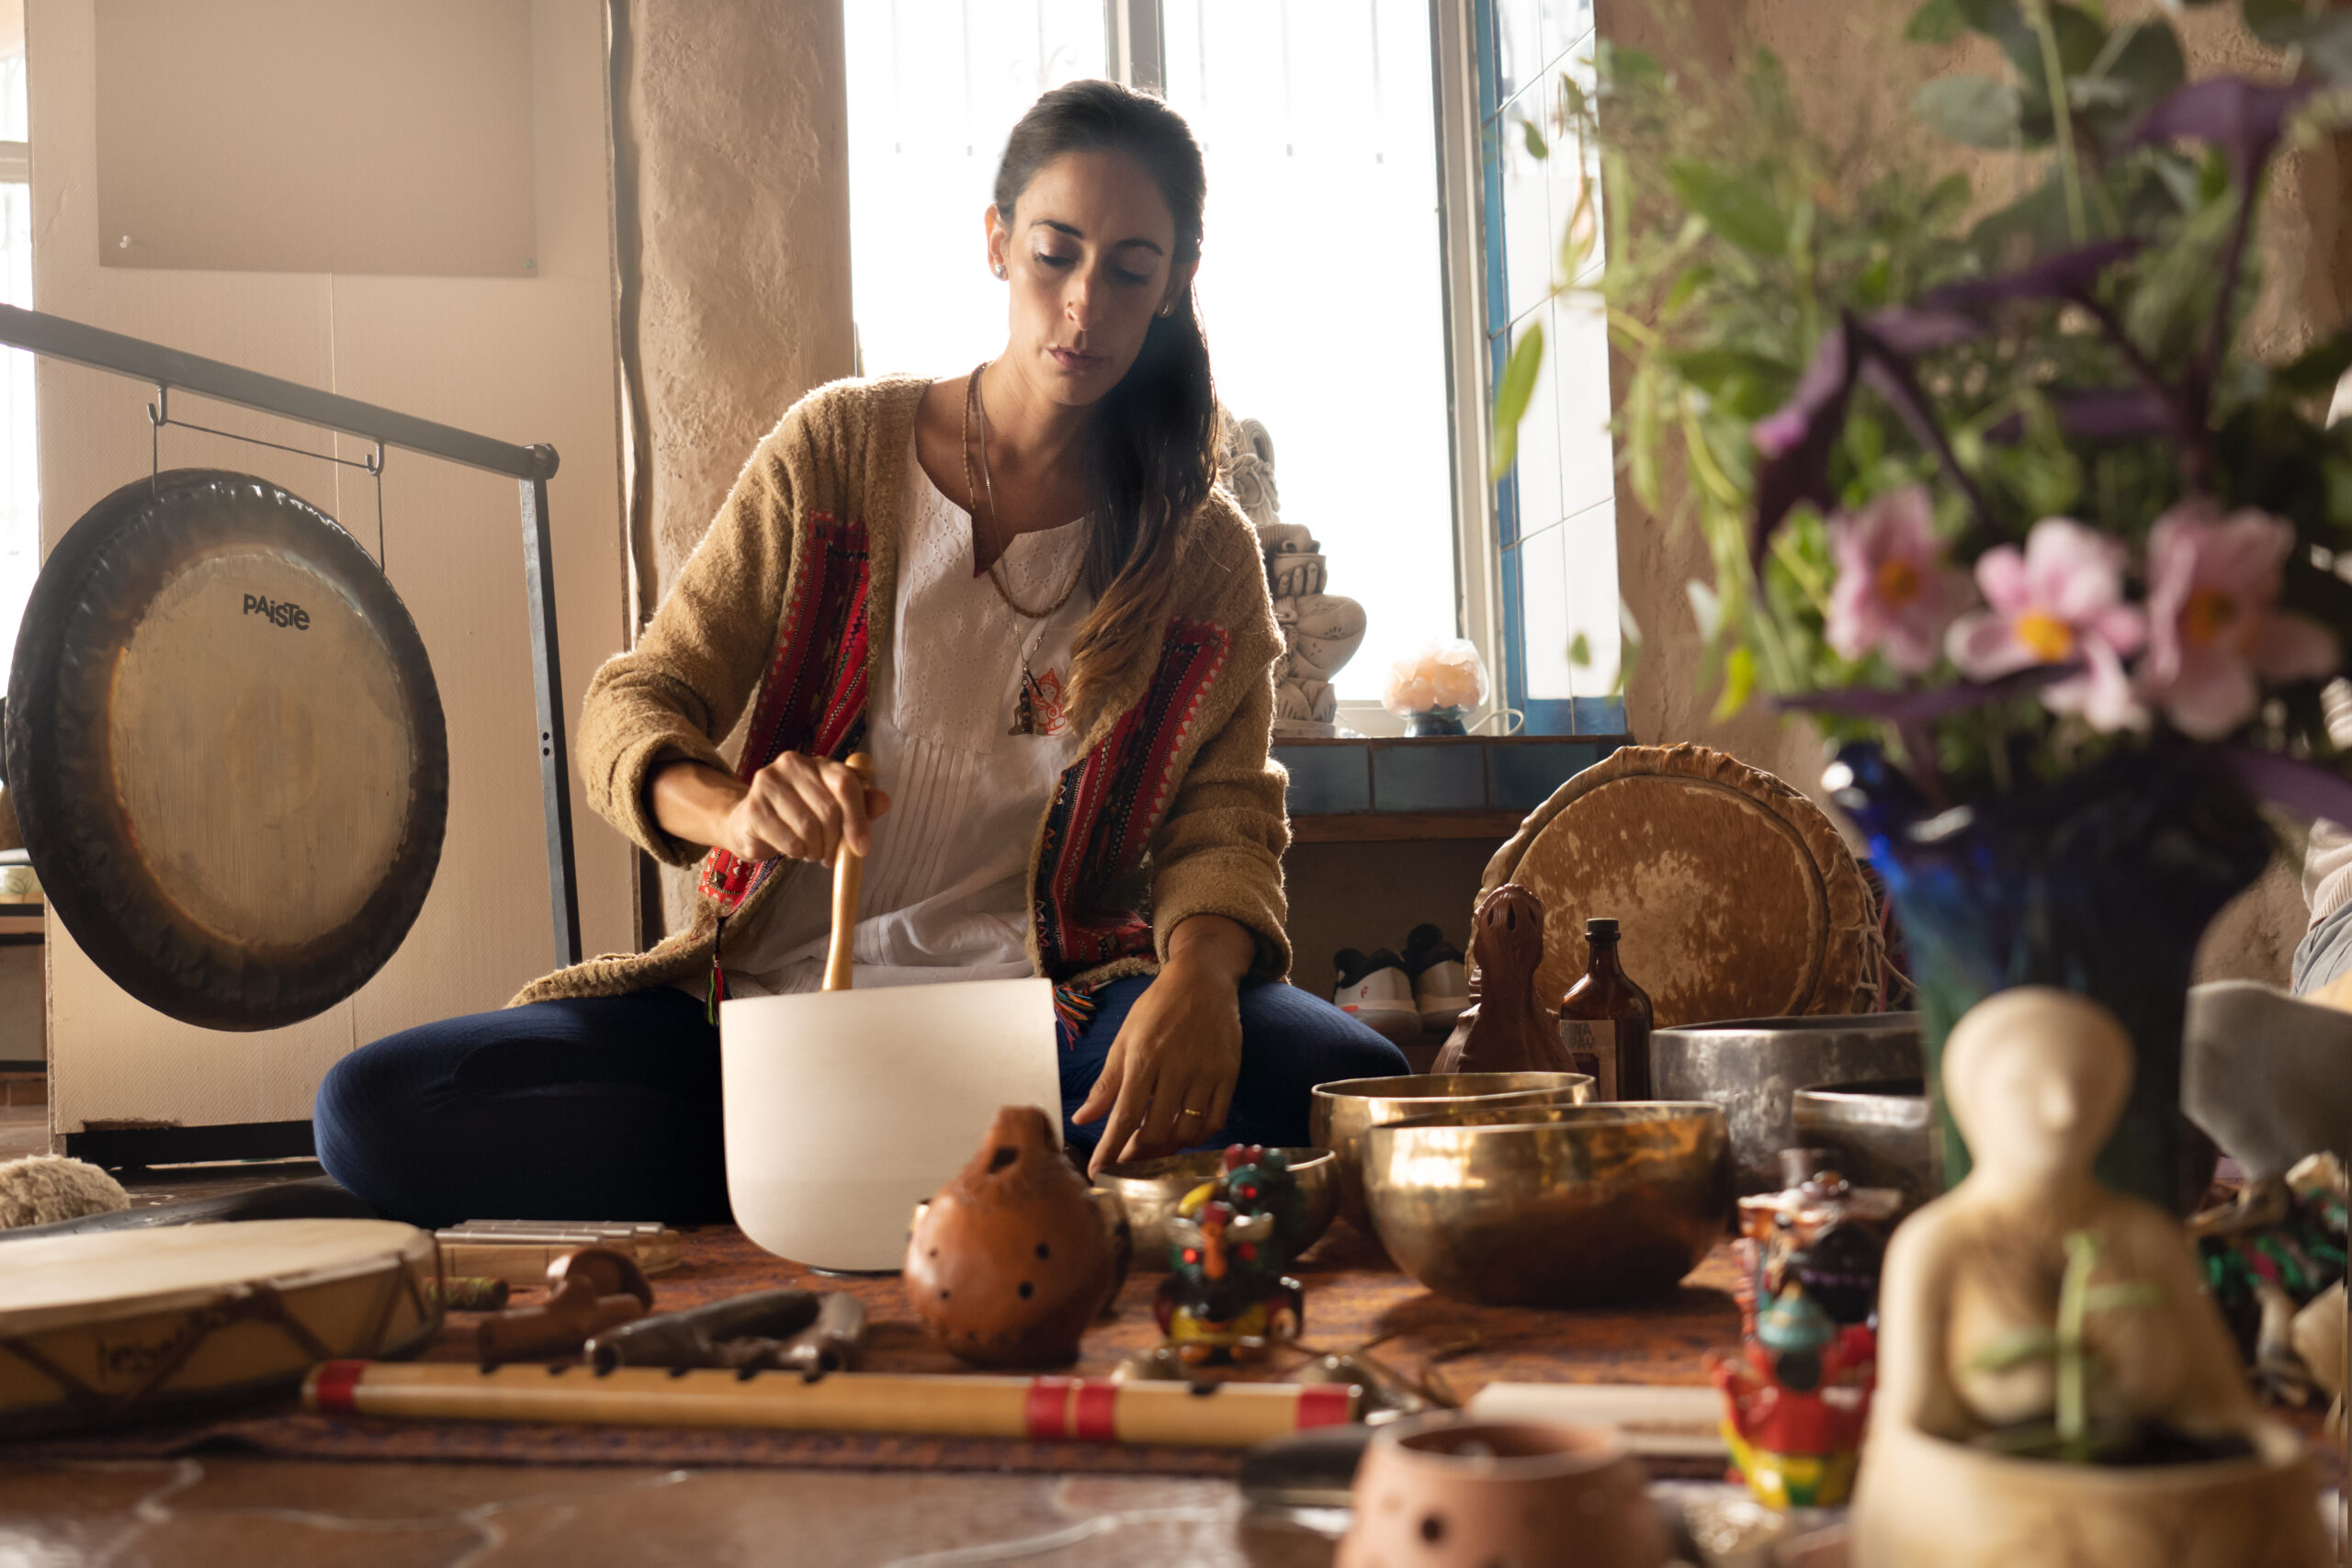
[{"x": 1089, "y": 251}]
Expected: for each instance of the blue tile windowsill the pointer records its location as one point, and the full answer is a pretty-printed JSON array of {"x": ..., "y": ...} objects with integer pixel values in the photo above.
[{"x": 1440, "y": 773}]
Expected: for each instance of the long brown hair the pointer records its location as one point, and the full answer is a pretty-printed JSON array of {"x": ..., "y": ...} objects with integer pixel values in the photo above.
[{"x": 1153, "y": 456}]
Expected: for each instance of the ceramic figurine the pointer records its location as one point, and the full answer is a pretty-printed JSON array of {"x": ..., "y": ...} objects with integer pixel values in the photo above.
[
  {"x": 1795, "y": 1402},
  {"x": 2030, "y": 1299},
  {"x": 1012, "y": 1261},
  {"x": 1320, "y": 631},
  {"x": 1513, "y": 1029},
  {"x": 2270, "y": 1260},
  {"x": 1225, "y": 1298},
  {"x": 1822, "y": 1233}
]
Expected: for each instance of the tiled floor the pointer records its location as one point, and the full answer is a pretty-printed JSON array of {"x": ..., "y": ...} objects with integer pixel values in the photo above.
[{"x": 227, "y": 1510}]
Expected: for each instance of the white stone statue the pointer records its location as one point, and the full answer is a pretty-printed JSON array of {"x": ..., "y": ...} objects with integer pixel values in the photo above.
[
  {"x": 1970, "y": 1326},
  {"x": 1320, "y": 631}
]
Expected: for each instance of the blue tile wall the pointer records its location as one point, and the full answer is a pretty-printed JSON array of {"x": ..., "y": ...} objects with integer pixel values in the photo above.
[
  {"x": 1325, "y": 779},
  {"x": 1428, "y": 778}
]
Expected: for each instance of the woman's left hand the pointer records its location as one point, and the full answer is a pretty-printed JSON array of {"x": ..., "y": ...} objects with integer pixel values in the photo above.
[{"x": 1168, "y": 1081}]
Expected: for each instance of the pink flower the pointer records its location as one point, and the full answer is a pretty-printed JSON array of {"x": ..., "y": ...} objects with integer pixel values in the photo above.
[
  {"x": 1894, "y": 591},
  {"x": 2059, "y": 601},
  {"x": 2212, "y": 603}
]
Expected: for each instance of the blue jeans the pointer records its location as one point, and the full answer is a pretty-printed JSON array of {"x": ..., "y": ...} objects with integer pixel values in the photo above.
[{"x": 608, "y": 1107}]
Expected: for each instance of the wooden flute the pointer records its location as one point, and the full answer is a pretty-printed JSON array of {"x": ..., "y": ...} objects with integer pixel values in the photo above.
[{"x": 1041, "y": 1409}]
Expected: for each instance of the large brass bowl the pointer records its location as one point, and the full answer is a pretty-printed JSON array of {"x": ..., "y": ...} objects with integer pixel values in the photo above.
[
  {"x": 1552, "y": 1205},
  {"x": 1346, "y": 1109},
  {"x": 1152, "y": 1188}
]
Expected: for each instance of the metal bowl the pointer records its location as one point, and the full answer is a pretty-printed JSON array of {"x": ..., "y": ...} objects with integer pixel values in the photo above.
[
  {"x": 1151, "y": 1189},
  {"x": 1752, "y": 1066},
  {"x": 1346, "y": 1109},
  {"x": 1879, "y": 1133},
  {"x": 1552, "y": 1205}
]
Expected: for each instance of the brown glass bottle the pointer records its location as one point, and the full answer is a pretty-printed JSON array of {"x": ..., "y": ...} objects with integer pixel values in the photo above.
[{"x": 1605, "y": 1019}]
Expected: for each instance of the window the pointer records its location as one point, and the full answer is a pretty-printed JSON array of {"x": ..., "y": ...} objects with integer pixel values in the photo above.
[
  {"x": 1555, "y": 512},
  {"x": 19, "y": 484},
  {"x": 1320, "y": 287}
]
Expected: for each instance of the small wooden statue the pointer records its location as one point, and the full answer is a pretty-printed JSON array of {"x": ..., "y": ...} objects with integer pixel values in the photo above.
[
  {"x": 1225, "y": 1298},
  {"x": 1514, "y": 1030}
]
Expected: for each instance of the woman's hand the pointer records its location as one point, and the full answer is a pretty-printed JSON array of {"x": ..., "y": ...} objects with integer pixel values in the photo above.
[
  {"x": 797, "y": 807},
  {"x": 1168, "y": 1081}
]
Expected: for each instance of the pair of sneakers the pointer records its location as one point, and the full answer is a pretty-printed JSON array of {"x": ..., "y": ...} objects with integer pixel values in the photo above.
[{"x": 1404, "y": 994}]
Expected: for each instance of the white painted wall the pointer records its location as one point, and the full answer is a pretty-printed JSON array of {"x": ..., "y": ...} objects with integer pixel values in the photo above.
[{"x": 522, "y": 359}]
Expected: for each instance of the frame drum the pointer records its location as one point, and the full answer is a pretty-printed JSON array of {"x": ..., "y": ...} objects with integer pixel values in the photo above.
[
  {"x": 225, "y": 749},
  {"x": 136, "y": 1324}
]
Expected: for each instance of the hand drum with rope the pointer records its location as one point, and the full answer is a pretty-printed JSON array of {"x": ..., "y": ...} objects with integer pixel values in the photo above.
[{"x": 225, "y": 749}]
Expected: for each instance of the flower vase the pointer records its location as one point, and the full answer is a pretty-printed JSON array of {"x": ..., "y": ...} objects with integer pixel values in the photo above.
[{"x": 2100, "y": 883}]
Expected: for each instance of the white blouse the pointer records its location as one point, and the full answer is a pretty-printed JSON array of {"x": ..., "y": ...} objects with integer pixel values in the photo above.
[{"x": 945, "y": 895}]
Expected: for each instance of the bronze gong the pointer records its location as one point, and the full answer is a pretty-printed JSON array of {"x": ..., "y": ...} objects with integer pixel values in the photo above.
[{"x": 225, "y": 749}]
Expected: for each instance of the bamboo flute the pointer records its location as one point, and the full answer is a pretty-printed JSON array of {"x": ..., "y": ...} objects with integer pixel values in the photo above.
[{"x": 1044, "y": 1409}]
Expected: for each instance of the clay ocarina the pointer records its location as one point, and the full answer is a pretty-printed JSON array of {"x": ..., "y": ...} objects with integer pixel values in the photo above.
[
  {"x": 1007, "y": 1265},
  {"x": 1513, "y": 1031}
]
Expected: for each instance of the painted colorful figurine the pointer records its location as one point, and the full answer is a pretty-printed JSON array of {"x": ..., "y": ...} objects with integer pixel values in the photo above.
[
  {"x": 1225, "y": 1298},
  {"x": 1795, "y": 1402}
]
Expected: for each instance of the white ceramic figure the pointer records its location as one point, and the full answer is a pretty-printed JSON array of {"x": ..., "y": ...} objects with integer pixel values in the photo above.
[
  {"x": 2036, "y": 1079},
  {"x": 1320, "y": 631}
]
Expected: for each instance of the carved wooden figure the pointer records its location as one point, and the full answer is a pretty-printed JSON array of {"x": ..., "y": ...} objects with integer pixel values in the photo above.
[{"x": 1515, "y": 1031}]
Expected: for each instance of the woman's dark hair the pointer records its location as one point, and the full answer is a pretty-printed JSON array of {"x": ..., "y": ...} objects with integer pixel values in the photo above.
[{"x": 1154, "y": 455}]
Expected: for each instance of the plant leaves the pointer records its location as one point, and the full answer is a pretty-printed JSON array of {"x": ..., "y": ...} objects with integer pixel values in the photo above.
[
  {"x": 2150, "y": 63},
  {"x": 1511, "y": 395},
  {"x": 2318, "y": 367},
  {"x": 1734, "y": 206},
  {"x": 2307, "y": 789},
  {"x": 2244, "y": 118},
  {"x": 1739, "y": 682},
  {"x": 1537, "y": 148},
  {"x": 2068, "y": 274},
  {"x": 1581, "y": 651},
  {"x": 2116, "y": 1298},
  {"x": 1975, "y": 111},
  {"x": 1938, "y": 21},
  {"x": 1921, "y": 704},
  {"x": 2014, "y": 1348},
  {"x": 1796, "y": 442},
  {"x": 2080, "y": 39}
]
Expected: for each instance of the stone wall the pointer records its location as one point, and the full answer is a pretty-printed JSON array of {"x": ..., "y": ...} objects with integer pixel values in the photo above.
[{"x": 731, "y": 194}]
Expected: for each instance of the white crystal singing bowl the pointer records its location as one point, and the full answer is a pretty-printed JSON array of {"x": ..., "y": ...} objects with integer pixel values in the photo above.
[{"x": 843, "y": 1110}]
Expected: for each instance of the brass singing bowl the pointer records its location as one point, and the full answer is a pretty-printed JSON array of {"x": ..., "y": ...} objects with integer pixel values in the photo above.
[
  {"x": 1152, "y": 1188},
  {"x": 1346, "y": 1109},
  {"x": 1552, "y": 1205}
]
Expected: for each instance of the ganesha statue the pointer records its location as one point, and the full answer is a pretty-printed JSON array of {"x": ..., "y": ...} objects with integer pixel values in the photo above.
[{"x": 1320, "y": 631}]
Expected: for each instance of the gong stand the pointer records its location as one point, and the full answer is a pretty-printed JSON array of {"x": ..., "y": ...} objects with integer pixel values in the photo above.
[{"x": 169, "y": 369}]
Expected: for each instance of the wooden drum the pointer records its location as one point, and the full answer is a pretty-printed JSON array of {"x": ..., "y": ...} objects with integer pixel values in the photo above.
[
  {"x": 135, "y": 1324},
  {"x": 1735, "y": 895},
  {"x": 225, "y": 749}
]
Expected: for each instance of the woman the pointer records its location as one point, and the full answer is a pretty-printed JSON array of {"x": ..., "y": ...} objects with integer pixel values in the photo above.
[{"x": 1020, "y": 592}]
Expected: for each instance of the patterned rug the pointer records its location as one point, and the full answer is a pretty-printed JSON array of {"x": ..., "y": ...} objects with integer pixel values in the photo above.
[{"x": 1353, "y": 1295}]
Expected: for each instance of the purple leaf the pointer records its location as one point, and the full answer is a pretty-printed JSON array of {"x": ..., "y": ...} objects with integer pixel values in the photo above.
[
  {"x": 1921, "y": 704},
  {"x": 2066, "y": 276},
  {"x": 2308, "y": 789},
  {"x": 1794, "y": 442},
  {"x": 1914, "y": 331},
  {"x": 2113, "y": 414},
  {"x": 2244, "y": 118}
]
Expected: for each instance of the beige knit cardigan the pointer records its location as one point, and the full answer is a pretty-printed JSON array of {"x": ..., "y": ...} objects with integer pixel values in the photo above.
[{"x": 813, "y": 520}]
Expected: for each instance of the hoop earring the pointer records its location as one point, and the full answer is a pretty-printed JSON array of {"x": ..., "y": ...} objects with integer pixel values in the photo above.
[{"x": 1168, "y": 307}]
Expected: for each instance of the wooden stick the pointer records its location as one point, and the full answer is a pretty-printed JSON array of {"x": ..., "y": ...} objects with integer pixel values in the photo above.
[
  {"x": 849, "y": 875},
  {"x": 1044, "y": 1409}
]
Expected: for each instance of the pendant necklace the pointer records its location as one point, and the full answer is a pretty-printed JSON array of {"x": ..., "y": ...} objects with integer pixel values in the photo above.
[{"x": 1024, "y": 708}]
